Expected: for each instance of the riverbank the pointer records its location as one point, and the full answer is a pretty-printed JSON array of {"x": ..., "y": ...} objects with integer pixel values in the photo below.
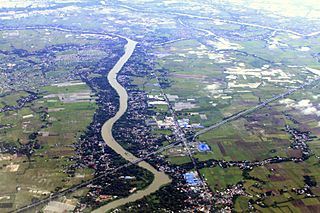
[{"x": 160, "y": 178}]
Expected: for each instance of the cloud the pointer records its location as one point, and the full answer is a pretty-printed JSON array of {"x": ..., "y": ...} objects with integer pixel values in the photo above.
[{"x": 305, "y": 106}]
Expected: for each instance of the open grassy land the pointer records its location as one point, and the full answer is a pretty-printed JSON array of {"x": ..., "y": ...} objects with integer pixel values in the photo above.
[
  {"x": 11, "y": 99},
  {"x": 176, "y": 160}
]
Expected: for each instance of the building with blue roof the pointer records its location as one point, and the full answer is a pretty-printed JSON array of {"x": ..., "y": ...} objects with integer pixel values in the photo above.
[
  {"x": 191, "y": 179},
  {"x": 202, "y": 147}
]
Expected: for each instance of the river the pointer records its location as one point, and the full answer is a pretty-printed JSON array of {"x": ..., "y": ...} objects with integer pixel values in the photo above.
[{"x": 160, "y": 178}]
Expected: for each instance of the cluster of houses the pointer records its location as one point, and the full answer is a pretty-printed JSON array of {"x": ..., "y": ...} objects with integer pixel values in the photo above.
[{"x": 300, "y": 140}]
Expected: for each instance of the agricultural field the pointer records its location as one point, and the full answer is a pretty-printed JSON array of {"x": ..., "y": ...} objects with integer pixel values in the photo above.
[
  {"x": 53, "y": 125},
  {"x": 279, "y": 183},
  {"x": 219, "y": 178},
  {"x": 220, "y": 69},
  {"x": 247, "y": 69}
]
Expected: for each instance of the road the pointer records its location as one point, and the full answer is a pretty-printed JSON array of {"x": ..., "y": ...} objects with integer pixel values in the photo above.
[
  {"x": 181, "y": 137},
  {"x": 255, "y": 108},
  {"x": 232, "y": 118},
  {"x": 138, "y": 160}
]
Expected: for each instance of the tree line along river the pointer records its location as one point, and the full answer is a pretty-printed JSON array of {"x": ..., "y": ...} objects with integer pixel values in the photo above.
[{"x": 160, "y": 178}]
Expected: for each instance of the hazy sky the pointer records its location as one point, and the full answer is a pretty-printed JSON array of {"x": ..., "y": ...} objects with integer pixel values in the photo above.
[{"x": 289, "y": 8}]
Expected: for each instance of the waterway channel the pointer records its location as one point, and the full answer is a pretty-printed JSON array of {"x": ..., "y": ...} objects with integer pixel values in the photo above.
[{"x": 160, "y": 178}]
